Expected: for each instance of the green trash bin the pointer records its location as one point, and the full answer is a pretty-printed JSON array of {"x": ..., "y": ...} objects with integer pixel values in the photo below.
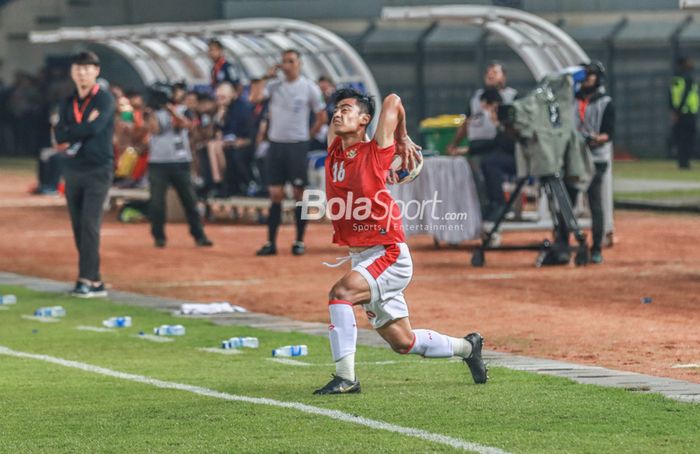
[{"x": 437, "y": 132}]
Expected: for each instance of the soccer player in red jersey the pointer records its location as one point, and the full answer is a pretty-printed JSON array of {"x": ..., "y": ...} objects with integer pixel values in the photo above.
[{"x": 366, "y": 219}]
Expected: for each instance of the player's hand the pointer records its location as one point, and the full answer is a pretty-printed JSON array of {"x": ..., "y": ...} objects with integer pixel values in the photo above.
[
  {"x": 392, "y": 177},
  {"x": 271, "y": 72},
  {"x": 408, "y": 150},
  {"x": 93, "y": 115}
]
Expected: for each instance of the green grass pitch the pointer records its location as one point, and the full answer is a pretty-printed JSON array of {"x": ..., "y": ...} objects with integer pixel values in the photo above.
[{"x": 46, "y": 407}]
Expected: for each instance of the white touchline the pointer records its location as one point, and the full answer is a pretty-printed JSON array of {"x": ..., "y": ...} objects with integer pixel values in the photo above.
[
  {"x": 290, "y": 362},
  {"x": 41, "y": 319},
  {"x": 333, "y": 414},
  {"x": 221, "y": 351}
]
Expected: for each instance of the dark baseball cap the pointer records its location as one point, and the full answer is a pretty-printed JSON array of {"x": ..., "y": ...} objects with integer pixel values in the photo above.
[{"x": 85, "y": 57}]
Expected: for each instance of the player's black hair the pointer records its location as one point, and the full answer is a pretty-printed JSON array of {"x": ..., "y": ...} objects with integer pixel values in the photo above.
[
  {"x": 493, "y": 63},
  {"x": 132, "y": 92},
  {"x": 216, "y": 43},
  {"x": 292, "y": 51},
  {"x": 85, "y": 57},
  {"x": 491, "y": 96},
  {"x": 325, "y": 79},
  {"x": 365, "y": 102}
]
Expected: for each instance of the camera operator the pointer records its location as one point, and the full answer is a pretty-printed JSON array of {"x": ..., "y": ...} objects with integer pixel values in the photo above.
[
  {"x": 169, "y": 161},
  {"x": 595, "y": 119}
]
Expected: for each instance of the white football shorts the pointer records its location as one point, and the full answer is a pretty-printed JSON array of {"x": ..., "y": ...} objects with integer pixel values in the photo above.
[{"x": 388, "y": 270}]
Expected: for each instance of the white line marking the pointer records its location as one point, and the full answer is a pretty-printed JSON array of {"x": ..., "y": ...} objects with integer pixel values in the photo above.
[
  {"x": 154, "y": 338},
  {"x": 686, "y": 366},
  {"x": 333, "y": 414},
  {"x": 221, "y": 351},
  {"x": 4, "y": 308},
  {"x": 41, "y": 319},
  {"x": 96, "y": 329},
  {"x": 289, "y": 362}
]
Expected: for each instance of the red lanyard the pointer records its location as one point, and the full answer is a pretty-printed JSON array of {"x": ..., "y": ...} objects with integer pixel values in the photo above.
[
  {"x": 582, "y": 105},
  {"x": 78, "y": 113},
  {"x": 215, "y": 71}
]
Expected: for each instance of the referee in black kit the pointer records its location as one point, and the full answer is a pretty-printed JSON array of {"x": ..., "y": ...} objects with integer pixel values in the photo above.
[{"x": 85, "y": 126}]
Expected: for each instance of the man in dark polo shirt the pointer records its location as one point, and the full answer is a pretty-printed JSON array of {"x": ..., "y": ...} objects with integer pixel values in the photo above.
[{"x": 85, "y": 129}]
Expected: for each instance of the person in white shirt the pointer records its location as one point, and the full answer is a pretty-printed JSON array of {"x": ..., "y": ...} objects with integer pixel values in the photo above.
[{"x": 292, "y": 99}]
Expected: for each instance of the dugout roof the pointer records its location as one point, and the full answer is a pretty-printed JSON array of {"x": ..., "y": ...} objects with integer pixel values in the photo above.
[
  {"x": 178, "y": 51},
  {"x": 544, "y": 47}
]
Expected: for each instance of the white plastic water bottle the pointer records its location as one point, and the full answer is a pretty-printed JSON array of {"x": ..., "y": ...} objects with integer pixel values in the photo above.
[
  {"x": 240, "y": 342},
  {"x": 53, "y": 311},
  {"x": 291, "y": 350},
  {"x": 169, "y": 330},
  {"x": 8, "y": 299},
  {"x": 117, "y": 322}
]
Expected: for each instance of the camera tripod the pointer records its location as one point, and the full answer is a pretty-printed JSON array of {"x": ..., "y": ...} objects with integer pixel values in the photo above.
[{"x": 564, "y": 221}]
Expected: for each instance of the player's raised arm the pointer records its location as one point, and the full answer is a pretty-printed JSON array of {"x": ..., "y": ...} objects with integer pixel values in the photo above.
[{"x": 392, "y": 128}]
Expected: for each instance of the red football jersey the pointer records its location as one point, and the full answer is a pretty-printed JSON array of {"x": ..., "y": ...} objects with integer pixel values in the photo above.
[{"x": 357, "y": 199}]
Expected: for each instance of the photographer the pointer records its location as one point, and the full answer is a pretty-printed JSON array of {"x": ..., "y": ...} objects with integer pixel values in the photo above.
[
  {"x": 486, "y": 141},
  {"x": 169, "y": 164}
]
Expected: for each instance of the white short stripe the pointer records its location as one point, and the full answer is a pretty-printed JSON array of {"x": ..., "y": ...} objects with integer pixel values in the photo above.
[{"x": 333, "y": 414}]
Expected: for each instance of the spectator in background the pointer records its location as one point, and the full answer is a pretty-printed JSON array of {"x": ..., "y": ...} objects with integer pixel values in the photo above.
[
  {"x": 292, "y": 99},
  {"x": 684, "y": 102},
  {"x": 238, "y": 136},
  {"x": 179, "y": 93},
  {"x": 169, "y": 164},
  {"x": 203, "y": 131},
  {"x": 596, "y": 122},
  {"x": 215, "y": 148},
  {"x": 223, "y": 70},
  {"x": 260, "y": 124},
  {"x": 327, "y": 87},
  {"x": 86, "y": 125}
]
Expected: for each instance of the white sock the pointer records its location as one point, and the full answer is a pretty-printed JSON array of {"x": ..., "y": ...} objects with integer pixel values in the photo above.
[
  {"x": 431, "y": 344},
  {"x": 343, "y": 336},
  {"x": 461, "y": 347},
  {"x": 345, "y": 367}
]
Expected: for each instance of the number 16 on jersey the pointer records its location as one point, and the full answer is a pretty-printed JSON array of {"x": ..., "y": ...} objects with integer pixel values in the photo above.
[{"x": 338, "y": 171}]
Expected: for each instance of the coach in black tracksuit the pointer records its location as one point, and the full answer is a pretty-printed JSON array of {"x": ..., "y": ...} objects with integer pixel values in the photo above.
[{"x": 86, "y": 124}]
